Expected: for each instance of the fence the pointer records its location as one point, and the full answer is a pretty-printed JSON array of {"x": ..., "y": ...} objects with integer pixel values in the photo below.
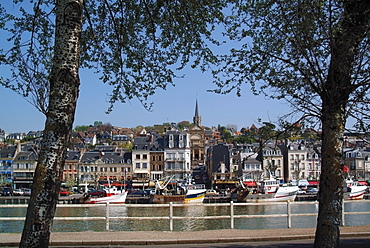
[{"x": 171, "y": 217}]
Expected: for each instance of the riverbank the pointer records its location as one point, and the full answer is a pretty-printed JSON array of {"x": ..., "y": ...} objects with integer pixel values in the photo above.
[
  {"x": 75, "y": 199},
  {"x": 79, "y": 239}
]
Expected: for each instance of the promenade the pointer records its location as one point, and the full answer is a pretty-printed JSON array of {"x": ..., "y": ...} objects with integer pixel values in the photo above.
[{"x": 145, "y": 238}]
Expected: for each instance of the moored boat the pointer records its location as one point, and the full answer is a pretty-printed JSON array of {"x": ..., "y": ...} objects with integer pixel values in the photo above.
[
  {"x": 112, "y": 198},
  {"x": 355, "y": 191},
  {"x": 181, "y": 193},
  {"x": 269, "y": 191}
]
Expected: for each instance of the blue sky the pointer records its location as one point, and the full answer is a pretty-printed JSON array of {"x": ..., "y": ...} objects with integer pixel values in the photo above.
[{"x": 172, "y": 105}]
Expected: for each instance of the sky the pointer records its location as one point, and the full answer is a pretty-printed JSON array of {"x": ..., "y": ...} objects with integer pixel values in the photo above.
[{"x": 175, "y": 104}]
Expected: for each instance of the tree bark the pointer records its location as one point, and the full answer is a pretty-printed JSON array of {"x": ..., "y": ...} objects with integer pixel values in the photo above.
[
  {"x": 330, "y": 195},
  {"x": 335, "y": 96},
  {"x": 64, "y": 85}
]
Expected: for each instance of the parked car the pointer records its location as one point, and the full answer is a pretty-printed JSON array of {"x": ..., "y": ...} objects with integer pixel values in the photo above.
[
  {"x": 302, "y": 192},
  {"x": 151, "y": 191},
  {"x": 211, "y": 192},
  {"x": 18, "y": 192},
  {"x": 7, "y": 191},
  {"x": 312, "y": 191},
  {"x": 138, "y": 192},
  {"x": 64, "y": 192},
  {"x": 27, "y": 192},
  {"x": 96, "y": 193}
]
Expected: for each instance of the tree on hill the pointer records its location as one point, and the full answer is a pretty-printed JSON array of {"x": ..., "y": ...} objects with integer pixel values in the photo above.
[
  {"x": 314, "y": 54},
  {"x": 135, "y": 46}
]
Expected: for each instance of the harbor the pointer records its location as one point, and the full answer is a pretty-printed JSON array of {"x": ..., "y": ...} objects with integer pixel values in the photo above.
[{"x": 184, "y": 217}]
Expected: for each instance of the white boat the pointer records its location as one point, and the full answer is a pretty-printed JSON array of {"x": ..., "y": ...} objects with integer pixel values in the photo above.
[
  {"x": 113, "y": 198},
  {"x": 355, "y": 191},
  {"x": 112, "y": 195},
  {"x": 195, "y": 193},
  {"x": 269, "y": 190}
]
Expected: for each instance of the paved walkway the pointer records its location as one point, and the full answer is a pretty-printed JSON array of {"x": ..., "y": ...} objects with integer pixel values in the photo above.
[{"x": 78, "y": 239}]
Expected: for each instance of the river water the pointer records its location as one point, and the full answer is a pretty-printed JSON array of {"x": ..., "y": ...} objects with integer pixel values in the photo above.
[{"x": 183, "y": 225}]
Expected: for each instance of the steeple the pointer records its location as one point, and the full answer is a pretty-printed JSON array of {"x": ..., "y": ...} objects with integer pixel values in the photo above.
[{"x": 197, "y": 119}]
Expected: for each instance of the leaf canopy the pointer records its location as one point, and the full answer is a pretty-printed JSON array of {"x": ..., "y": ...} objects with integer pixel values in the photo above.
[{"x": 134, "y": 46}]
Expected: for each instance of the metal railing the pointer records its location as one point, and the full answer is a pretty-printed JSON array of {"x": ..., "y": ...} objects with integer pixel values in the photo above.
[{"x": 171, "y": 217}]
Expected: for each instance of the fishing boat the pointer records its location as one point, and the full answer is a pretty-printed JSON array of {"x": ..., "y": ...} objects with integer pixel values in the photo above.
[
  {"x": 113, "y": 198},
  {"x": 269, "y": 190},
  {"x": 111, "y": 195},
  {"x": 179, "y": 193},
  {"x": 354, "y": 191}
]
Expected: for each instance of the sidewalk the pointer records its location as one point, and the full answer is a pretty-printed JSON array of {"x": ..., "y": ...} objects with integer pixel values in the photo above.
[{"x": 78, "y": 239}]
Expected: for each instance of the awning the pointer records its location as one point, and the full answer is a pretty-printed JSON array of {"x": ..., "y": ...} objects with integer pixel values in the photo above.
[
  {"x": 362, "y": 183},
  {"x": 250, "y": 184},
  {"x": 313, "y": 183}
]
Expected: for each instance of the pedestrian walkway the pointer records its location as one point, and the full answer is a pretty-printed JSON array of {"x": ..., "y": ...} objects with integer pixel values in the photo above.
[{"x": 79, "y": 239}]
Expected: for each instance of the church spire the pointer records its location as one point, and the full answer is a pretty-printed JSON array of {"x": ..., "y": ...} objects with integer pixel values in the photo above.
[{"x": 197, "y": 119}]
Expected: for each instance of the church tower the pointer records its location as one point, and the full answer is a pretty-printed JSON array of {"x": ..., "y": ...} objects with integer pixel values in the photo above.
[
  {"x": 197, "y": 120},
  {"x": 197, "y": 140}
]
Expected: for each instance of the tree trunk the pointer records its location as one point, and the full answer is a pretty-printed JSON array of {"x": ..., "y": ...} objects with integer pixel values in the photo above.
[
  {"x": 335, "y": 96},
  {"x": 330, "y": 195},
  {"x": 64, "y": 84}
]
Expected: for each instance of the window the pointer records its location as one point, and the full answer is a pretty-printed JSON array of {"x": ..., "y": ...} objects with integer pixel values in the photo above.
[
  {"x": 145, "y": 165},
  {"x": 137, "y": 156},
  {"x": 138, "y": 165},
  {"x": 145, "y": 156},
  {"x": 153, "y": 158}
]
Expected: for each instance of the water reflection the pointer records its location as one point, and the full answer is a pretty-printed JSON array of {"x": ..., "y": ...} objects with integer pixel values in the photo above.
[{"x": 182, "y": 225}]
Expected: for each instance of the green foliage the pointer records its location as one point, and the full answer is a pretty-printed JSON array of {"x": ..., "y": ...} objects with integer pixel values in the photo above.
[
  {"x": 286, "y": 50},
  {"x": 135, "y": 46},
  {"x": 82, "y": 128},
  {"x": 98, "y": 123}
]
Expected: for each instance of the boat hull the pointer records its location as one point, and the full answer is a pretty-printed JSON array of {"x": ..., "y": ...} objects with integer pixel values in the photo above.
[
  {"x": 115, "y": 199},
  {"x": 192, "y": 196},
  {"x": 357, "y": 193},
  {"x": 283, "y": 194}
]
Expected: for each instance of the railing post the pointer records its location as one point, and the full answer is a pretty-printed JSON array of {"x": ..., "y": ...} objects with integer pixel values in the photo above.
[
  {"x": 343, "y": 219},
  {"x": 171, "y": 216},
  {"x": 289, "y": 214},
  {"x": 232, "y": 215},
  {"x": 107, "y": 217}
]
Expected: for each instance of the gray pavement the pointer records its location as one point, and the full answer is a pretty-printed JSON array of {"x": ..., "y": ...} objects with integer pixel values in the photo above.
[{"x": 211, "y": 238}]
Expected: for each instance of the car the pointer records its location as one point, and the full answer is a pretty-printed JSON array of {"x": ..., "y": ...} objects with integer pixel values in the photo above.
[
  {"x": 312, "y": 191},
  {"x": 138, "y": 192},
  {"x": 151, "y": 191},
  {"x": 64, "y": 192},
  {"x": 301, "y": 192},
  {"x": 27, "y": 192},
  {"x": 18, "y": 192},
  {"x": 211, "y": 192},
  {"x": 96, "y": 193},
  {"x": 7, "y": 191}
]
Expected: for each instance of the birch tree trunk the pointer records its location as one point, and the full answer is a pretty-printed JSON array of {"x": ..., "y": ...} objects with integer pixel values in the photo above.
[
  {"x": 64, "y": 85},
  {"x": 335, "y": 96},
  {"x": 330, "y": 195}
]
